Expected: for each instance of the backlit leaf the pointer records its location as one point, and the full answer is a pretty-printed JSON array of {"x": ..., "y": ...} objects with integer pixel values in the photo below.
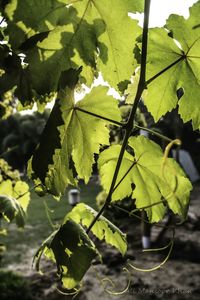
[
  {"x": 68, "y": 34},
  {"x": 14, "y": 194},
  {"x": 75, "y": 136},
  {"x": 182, "y": 68},
  {"x": 102, "y": 229},
  {"x": 154, "y": 179},
  {"x": 18, "y": 190},
  {"x": 10, "y": 208},
  {"x": 72, "y": 250}
]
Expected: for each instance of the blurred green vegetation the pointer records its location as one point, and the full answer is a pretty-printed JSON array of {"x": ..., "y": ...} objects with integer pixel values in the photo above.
[
  {"x": 13, "y": 287},
  {"x": 19, "y": 135}
]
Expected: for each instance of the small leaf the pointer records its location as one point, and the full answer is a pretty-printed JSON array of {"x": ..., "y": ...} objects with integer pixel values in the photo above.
[
  {"x": 155, "y": 180},
  {"x": 14, "y": 193},
  {"x": 10, "y": 209},
  {"x": 102, "y": 229},
  {"x": 72, "y": 250},
  {"x": 18, "y": 190}
]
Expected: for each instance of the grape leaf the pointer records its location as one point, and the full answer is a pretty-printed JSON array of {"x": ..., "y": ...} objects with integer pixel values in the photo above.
[
  {"x": 186, "y": 31},
  {"x": 12, "y": 187},
  {"x": 66, "y": 36},
  {"x": 154, "y": 178},
  {"x": 72, "y": 250},
  {"x": 107, "y": 163},
  {"x": 102, "y": 229},
  {"x": 76, "y": 135},
  {"x": 25, "y": 22},
  {"x": 162, "y": 52},
  {"x": 189, "y": 39},
  {"x": 178, "y": 68},
  {"x": 10, "y": 208},
  {"x": 22, "y": 194},
  {"x": 18, "y": 190}
]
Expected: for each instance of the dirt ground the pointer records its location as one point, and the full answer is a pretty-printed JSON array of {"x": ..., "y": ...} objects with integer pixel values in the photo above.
[{"x": 178, "y": 278}]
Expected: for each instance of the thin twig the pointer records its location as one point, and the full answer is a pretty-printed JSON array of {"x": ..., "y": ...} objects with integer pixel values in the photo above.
[{"x": 2, "y": 20}]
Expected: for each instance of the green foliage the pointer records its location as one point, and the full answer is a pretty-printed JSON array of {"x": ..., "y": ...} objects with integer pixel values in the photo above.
[
  {"x": 14, "y": 194},
  {"x": 19, "y": 135},
  {"x": 72, "y": 250},
  {"x": 102, "y": 229},
  {"x": 182, "y": 64},
  {"x": 6, "y": 105},
  {"x": 156, "y": 178},
  {"x": 64, "y": 36},
  {"x": 53, "y": 47},
  {"x": 10, "y": 209},
  {"x": 76, "y": 135}
]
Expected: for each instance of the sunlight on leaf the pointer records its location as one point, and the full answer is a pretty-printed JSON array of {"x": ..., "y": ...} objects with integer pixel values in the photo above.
[
  {"x": 83, "y": 33},
  {"x": 146, "y": 174},
  {"x": 102, "y": 229},
  {"x": 72, "y": 250},
  {"x": 76, "y": 135},
  {"x": 183, "y": 68}
]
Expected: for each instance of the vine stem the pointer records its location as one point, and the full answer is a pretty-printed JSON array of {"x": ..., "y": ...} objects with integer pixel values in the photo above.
[
  {"x": 130, "y": 123},
  {"x": 2, "y": 20}
]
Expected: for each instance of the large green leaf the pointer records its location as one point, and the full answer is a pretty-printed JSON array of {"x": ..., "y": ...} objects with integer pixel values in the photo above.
[
  {"x": 72, "y": 250},
  {"x": 102, "y": 229},
  {"x": 155, "y": 178},
  {"x": 182, "y": 68},
  {"x": 69, "y": 33},
  {"x": 75, "y": 135}
]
